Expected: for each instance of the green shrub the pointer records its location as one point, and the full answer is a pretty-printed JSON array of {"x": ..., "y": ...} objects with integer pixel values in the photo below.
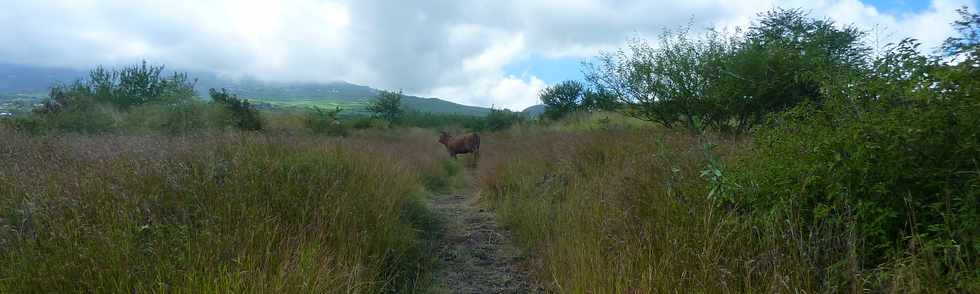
[
  {"x": 123, "y": 88},
  {"x": 325, "y": 122},
  {"x": 890, "y": 159},
  {"x": 561, "y": 99},
  {"x": 243, "y": 114},
  {"x": 502, "y": 119}
]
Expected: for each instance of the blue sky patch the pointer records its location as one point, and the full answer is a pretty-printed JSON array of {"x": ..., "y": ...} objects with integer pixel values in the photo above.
[
  {"x": 899, "y": 6},
  {"x": 549, "y": 70}
]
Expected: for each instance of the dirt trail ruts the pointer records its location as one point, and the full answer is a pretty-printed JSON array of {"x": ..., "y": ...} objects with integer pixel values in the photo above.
[{"x": 476, "y": 256}]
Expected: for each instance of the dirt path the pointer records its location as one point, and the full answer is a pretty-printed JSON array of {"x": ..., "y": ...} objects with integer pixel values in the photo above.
[{"x": 476, "y": 256}]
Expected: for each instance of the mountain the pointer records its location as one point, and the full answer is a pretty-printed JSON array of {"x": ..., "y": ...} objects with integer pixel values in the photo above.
[
  {"x": 25, "y": 79},
  {"x": 534, "y": 111},
  {"x": 329, "y": 95},
  {"x": 33, "y": 82}
]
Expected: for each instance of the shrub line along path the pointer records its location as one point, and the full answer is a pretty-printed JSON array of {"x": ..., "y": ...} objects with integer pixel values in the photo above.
[{"x": 474, "y": 253}]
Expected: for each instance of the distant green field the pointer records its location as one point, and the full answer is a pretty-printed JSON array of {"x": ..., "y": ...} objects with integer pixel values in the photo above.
[{"x": 347, "y": 106}]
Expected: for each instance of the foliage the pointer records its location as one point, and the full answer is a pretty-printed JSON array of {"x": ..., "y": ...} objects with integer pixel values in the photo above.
[
  {"x": 429, "y": 120},
  {"x": 325, "y": 122},
  {"x": 968, "y": 41},
  {"x": 244, "y": 115},
  {"x": 124, "y": 88},
  {"x": 502, "y": 119},
  {"x": 561, "y": 99},
  {"x": 626, "y": 210},
  {"x": 496, "y": 120},
  {"x": 570, "y": 96},
  {"x": 367, "y": 122},
  {"x": 731, "y": 82},
  {"x": 138, "y": 97},
  {"x": 784, "y": 60},
  {"x": 894, "y": 156},
  {"x": 388, "y": 106},
  {"x": 598, "y": 98}
]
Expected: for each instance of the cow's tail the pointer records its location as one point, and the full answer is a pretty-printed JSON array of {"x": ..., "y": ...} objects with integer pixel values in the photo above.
[{"x": 476, "y": 142}]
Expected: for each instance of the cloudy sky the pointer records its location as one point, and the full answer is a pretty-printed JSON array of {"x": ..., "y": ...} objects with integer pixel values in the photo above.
[{"x": 498, "y": 52}]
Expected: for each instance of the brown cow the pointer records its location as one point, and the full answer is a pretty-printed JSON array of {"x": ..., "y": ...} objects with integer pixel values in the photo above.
[{"x": 465, "y": 143}]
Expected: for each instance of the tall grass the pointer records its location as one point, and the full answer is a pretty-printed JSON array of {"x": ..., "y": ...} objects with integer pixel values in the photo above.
[
  {"x": 223, "y": 212},
  {"x": 632, "y": 211}
]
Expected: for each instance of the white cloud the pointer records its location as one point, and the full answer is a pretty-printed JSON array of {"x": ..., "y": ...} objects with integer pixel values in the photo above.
[{"x": 444, "y": 48}]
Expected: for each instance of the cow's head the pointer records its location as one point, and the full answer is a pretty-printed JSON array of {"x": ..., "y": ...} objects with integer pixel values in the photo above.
[{"x": 444, "y": 137}]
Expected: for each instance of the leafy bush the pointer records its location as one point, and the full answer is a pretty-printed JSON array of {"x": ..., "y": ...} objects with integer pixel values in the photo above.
[
  {"x": 502, "y": 119},
  {"x": 570, "y": 96},
  {"x": 102, "y": 102},
  {"x": 244, "y": 115},
  {"x": 561, "y": 99},
  {"x": 325, "y": 122},
  {"x": 893, "y": 158},
  {"x": 122, "y": 89}
]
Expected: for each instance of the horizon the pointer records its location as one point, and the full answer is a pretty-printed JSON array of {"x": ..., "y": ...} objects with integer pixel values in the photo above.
[{"x": 474, "y": 54}]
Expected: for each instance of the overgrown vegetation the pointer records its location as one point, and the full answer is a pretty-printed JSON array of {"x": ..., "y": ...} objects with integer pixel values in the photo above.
[
  {"x": 138, "y": 98},
  {"x": 227, "y": 213},
  {"x": 782, "y": 158},
  {"x": 325, "y": 122},
  {"x": 243, "y": 115},
  {"x": 852, "y": 173}
]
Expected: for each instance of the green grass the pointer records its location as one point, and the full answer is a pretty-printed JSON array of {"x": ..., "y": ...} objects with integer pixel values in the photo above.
[{"x": 215, "y": 213}]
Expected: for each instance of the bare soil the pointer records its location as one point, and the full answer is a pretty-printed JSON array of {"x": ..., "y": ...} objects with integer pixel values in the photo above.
[{"x": 476, "y": 255}]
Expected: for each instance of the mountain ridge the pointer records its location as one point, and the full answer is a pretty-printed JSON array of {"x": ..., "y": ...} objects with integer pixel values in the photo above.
[{"x": 34, "y": 81}]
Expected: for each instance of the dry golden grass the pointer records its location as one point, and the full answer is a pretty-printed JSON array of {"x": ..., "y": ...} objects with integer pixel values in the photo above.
[{"x": 214, "y": 213}]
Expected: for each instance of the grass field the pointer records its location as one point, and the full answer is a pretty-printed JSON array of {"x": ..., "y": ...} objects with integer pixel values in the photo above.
[{"x": 215, "y": 213}]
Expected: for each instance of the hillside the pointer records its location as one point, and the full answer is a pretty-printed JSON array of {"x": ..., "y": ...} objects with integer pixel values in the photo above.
[
  {"x": 534, "y": 110},
  {"x": 32, "y": 82}
]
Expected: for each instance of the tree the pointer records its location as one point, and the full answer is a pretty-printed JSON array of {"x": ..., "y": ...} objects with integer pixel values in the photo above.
[
  {"x": 388, "y": 106},
  {"x": 968, "y": 28},
  {"x": 963, "y": 52},
  {"x": 599, "y": 99},
  {"x": 561, "y": 99},
  {"x": 733, "y": 82},
  {"x": 244, "y": 115},
  {"x": 665, "y": 83}
]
